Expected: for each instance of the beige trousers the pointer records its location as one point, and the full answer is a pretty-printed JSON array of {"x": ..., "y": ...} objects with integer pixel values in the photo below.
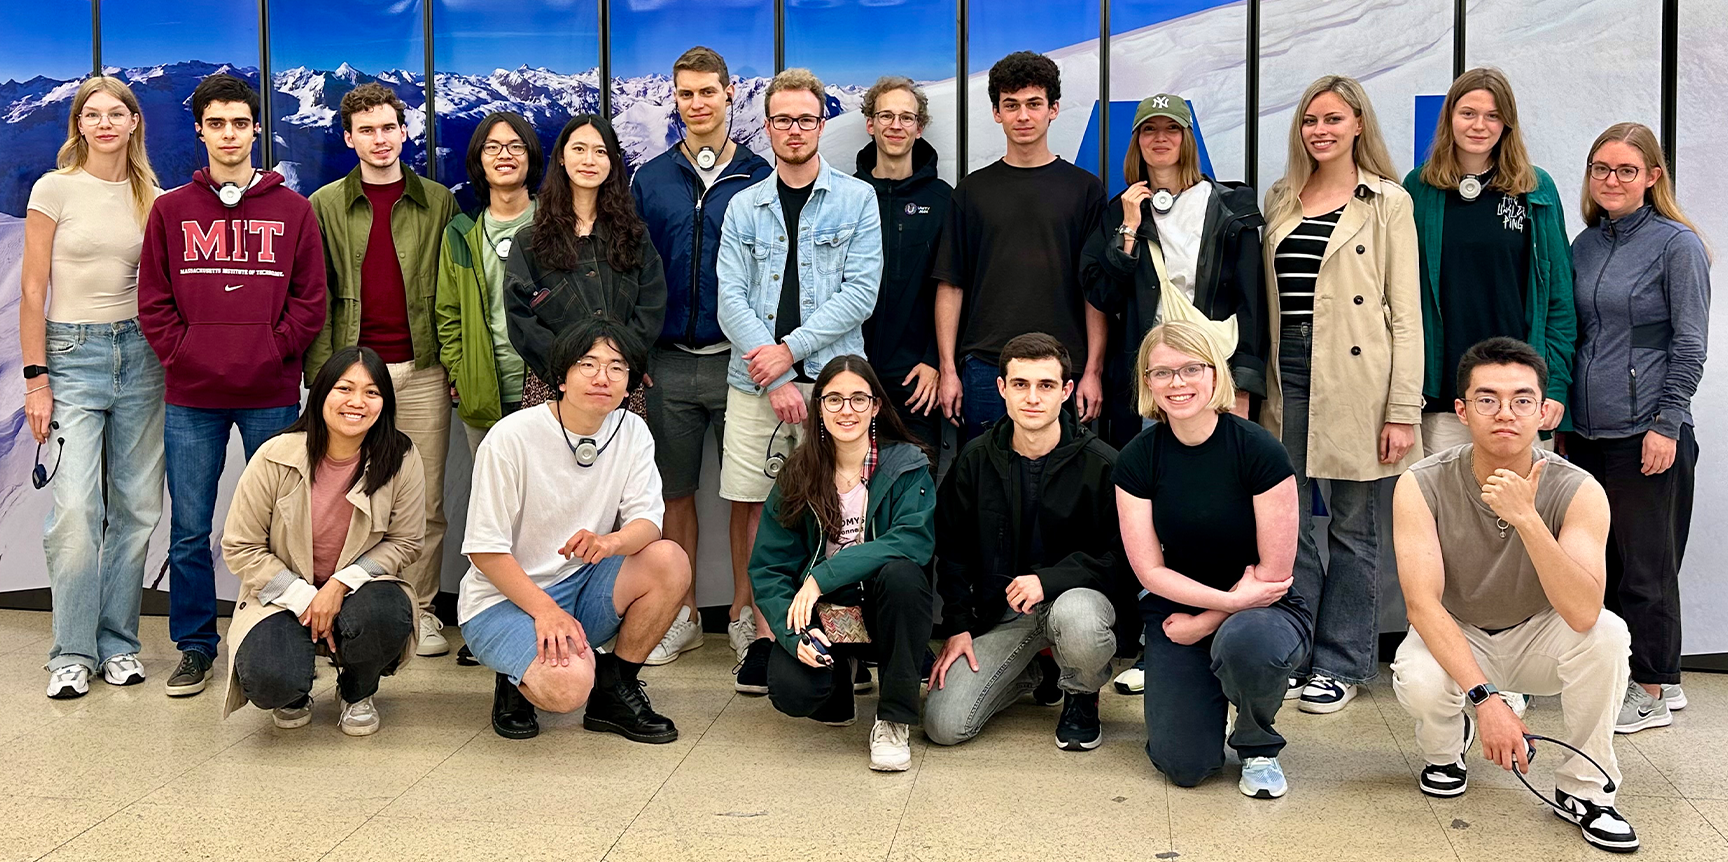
[
  {"x": 423, "y": 413},
  {"x": 1544, "y": 656}
]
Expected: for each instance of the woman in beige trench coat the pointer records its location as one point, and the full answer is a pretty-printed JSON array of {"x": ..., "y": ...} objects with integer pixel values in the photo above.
[
  {"x": 324, "y": 520},
  {"x": 1345, "y": 387}
]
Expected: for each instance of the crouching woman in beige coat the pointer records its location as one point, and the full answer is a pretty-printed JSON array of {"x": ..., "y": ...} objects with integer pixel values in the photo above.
[{"x": 325, "y": 518}]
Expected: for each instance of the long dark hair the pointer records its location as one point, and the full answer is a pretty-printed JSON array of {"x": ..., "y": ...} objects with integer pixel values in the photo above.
[
  {"x": 807, "y": 482},
  {"x": 384, "y": 448},
  {"x": 536, "y": 160},
  {"x": 555, "y": 240}
]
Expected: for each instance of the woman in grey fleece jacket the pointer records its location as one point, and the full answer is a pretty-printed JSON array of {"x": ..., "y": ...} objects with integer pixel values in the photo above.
[{"x": 1641, "y": 277}]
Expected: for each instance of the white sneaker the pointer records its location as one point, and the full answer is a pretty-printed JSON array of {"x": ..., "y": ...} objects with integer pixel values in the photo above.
[
  {"x": 290, "y": 717},
  {"x": 359, "y": 719},
  {"x": 1262, "y": 778},
  {"x": 741, "y": 632},
  {"x": 890, "y": 746},
  {"x": 1131, "y": 681},
  {"x": 69, "y": 682},
  {"x": 1520, "y": 703},
  {"x": 684, "y": 635},
  {"x": 431, "y": 642},
  {"x": 123, "y": 669}
]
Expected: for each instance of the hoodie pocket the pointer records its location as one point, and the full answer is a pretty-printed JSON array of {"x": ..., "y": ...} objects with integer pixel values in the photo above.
[{"x": 232, "y": 357}]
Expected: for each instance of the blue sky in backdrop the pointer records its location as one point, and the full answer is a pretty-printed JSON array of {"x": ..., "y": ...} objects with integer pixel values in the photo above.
[
  {"x": 51, "y": 39},
  {"x": 647, "y": 35},
  {"x": 474, "y": 37},
  {"x": 166, "y": 31},
  {"x": 370, "y": 35}
]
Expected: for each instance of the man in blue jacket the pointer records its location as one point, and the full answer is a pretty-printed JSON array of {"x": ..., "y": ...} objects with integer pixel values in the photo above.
[{"x": 682, "y": 194}]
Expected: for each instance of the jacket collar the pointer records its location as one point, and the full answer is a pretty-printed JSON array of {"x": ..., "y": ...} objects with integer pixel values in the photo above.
[
  {"x": 1626, "y": 225},
  {"x": 1000, "y": 442},
  {"x": 291, "y": 453},
  {"x": 923, "y": 166},
  {"x": 413, "y": 188},
  {"x": 1367, "y": 182}
]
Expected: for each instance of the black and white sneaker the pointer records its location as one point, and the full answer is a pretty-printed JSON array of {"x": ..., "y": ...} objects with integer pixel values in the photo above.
[
  {"x": 752, "y": 672},
  {"x": 1602, "y": 826},
  {"x": 1079, "y": 729},
  {"x": 1325, "y": 695},
  {"x": 1449, "y": 779},
  {"x": 191, "y": 675},
  {"x": 1293, "y": 688},
  {"x": 1047, "y": 693}
]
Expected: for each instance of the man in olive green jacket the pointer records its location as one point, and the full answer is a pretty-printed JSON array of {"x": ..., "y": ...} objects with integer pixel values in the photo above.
[{"x": 383, "y": 273}]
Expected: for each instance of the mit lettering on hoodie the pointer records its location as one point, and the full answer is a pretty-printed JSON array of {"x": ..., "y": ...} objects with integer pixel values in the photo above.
[{"x": 230, "y": 297}]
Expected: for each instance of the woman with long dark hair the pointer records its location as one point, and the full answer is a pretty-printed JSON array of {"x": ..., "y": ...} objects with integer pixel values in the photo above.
[
  {"x": 324, "y": 520},
  {"x": 587, "y": 254},
  {"x": 839, "y": 563}
]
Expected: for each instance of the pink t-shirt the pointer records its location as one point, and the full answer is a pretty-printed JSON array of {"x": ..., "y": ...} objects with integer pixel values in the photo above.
[
  {"x": 851, "y": 518},
  {"x": 331, "y": 514}
]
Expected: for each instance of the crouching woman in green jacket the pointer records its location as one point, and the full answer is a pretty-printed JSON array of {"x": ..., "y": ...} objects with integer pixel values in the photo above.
[{"x": 839, "y": 567}]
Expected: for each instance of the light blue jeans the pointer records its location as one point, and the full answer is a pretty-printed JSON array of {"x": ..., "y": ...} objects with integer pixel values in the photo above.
[{"x": 108, "y": 402}]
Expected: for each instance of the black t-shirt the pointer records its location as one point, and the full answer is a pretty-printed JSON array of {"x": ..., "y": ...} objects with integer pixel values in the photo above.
[
  {"x": 788, "y": 316},
  {"x": 1203, "y": 499},
  {"x": 1013, "y": 243},
  {"x": 1032, "y": 537},
  {"x": 1484, "y": 278}
]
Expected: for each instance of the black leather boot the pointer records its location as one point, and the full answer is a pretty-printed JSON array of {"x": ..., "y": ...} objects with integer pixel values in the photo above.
[
  {"x": 621, "y": 706},
  {"x": 512, "y": 714}
]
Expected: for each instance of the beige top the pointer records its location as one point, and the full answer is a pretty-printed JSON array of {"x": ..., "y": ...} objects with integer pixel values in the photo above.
[
  {"x": 1490, "y": 581},
  {"x": 93, "y": 275}
]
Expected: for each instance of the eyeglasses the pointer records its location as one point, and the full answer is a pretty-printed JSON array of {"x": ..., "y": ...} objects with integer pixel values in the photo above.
[
  {"x": 889, "y": 118},
  {"x": 1191, "y": 372},
  {"x": 1626, "y": 173},
  {"x": 833, "y": 401},
  {"x": 114, "y": 118},
  {"x": 493, "y": 148},
  {"x": 1522, "y": 405},
  {"x": 591, "y": 369},
  {"x": 807, "y": 123}
]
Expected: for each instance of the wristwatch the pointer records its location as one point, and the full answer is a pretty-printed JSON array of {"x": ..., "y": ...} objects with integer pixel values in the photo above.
[
  {"x": 1125, "y": 230},
  {"x": 1481, "y": 693},
  {"x": 31, "y": 372}
]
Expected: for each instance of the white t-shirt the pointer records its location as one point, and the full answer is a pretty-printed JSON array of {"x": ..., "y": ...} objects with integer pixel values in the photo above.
[
  {"x": 93, "y": 275},
  {"x": 1179, "y": 236},
  {"x": 852, "y": 505},
  {"x": 529, "y": 496}
]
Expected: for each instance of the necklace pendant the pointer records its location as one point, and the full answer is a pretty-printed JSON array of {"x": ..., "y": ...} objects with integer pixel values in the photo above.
[{"x": 1501, "y": 523}]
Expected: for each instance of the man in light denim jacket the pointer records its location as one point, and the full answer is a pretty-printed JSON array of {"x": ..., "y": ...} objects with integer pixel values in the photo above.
[{"x": 819, "y": 228}]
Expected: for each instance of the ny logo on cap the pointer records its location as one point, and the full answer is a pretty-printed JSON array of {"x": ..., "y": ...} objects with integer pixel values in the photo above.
[{"x": 1160, "y": 102}]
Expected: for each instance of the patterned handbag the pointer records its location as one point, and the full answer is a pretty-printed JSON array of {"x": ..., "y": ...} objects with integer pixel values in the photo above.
[{"x": 843, "y": 624}]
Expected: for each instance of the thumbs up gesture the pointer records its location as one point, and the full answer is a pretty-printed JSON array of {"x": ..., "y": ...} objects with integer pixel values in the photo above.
[{"x": 1513, "y": 497}]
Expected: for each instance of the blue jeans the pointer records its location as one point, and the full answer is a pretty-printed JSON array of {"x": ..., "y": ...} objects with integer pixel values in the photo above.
[
  {"x": 1344, "y": 594},
  {"x": 197, "y": 445},
  {"x": 502, "y": 636},
  {"x": 980, "y": 404},
  {"x": 108, "y": 402}
]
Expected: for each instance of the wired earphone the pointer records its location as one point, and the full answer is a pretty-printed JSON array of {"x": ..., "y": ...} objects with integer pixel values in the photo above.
[
  {"x": 1530, "y": 756},
  {"x": 40, "y": 476},
  {"x": 706, "y": 158},
  {"x": 773, "y": 462},
  {"x": 585, "y": 449}
]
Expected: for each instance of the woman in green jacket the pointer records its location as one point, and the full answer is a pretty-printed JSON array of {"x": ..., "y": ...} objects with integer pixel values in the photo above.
[
  {"x": 839, "y": 568},
  {"x": 1495, "y": 257}
]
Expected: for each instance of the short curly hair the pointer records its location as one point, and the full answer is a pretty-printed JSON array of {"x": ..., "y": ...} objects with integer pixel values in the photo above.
[
  {"x": 889, "y": 83},
  {"x": 368, "y": 96},
  {"x": 1023, "y": 69},
  {"x": 795, "y": 79}
]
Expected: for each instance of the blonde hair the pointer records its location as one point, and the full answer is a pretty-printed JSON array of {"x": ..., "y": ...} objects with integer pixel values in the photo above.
[
  {"x": 1514, "y": 175},
  {"x": 1183, "y": 337},
  {"x": 76, "y": 151},
  {"x": 1369, "y": 152},
  {"x": 795, "y": 79},
  {"x": 1187, "y": 160},
  {"x": 1662, "y": 196}
]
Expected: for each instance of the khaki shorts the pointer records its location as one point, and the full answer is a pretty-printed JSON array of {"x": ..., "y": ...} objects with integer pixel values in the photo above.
[{"x": 753, "y": 435}]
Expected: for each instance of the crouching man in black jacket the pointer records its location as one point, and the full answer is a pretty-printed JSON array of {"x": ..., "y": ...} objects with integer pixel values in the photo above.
[{"x": 1030, "y": 557}]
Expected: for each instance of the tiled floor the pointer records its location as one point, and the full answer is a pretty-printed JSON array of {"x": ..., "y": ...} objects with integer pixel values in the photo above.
[{"x": 128, "y": 774}]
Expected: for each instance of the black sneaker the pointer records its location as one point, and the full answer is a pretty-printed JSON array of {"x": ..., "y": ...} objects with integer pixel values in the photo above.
[
  {"x": 512, "y": 715},
  {"x": 752, "y": 672},
  {"x": 465, "y": 657},
  {"x": 191, "y": 676},
  {"x": 1602, "y": 826},
  {"x": 1449, "y": 779},
  {"x": 1047, "y": 694},
  {"x": 1079, "y": 729},
  {"x": 619, "y": 705}
]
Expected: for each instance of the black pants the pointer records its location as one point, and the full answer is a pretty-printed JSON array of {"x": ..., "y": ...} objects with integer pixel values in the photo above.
[
  {"x": 898, "y": 605},
  {"x": 1651, "y": 517},
  {"x": 925, "y": 428},
  {"x": 1189, "y": 689},
  {"x": 276, "y": 660}
]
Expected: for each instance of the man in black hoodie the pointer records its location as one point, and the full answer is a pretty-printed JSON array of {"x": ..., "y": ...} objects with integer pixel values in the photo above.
[
  {"x": 901, "y": 166},
  {"x": 1029, "y": 557}
]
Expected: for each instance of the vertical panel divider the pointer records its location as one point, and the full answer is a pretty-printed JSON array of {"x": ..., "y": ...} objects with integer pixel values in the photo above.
[
  {"x": 1251, "y": 121},
  {"x": 266, "y": 85},
  {"x": 961, "y": 87},
  {"x": 95, "y": 37},
  {"x": 779, "y": 36},
  {"x": 1670, "y": 82},
  {"x": 605, "y": 76},
  {"x": 430, "y": 91},
  {"x": 1104, "y": 91},
  {"x": 1459, "y": 41}
]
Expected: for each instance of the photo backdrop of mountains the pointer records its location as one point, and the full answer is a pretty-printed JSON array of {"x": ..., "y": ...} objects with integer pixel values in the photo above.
[{"x": 307, "y": 133}]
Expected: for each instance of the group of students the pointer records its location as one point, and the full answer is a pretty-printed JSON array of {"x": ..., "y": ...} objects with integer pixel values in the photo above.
[{"x": 1100, "y": 360}]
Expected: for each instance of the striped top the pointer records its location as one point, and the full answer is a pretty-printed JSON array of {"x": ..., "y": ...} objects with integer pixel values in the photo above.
[{"x": 1297, "y": 263}]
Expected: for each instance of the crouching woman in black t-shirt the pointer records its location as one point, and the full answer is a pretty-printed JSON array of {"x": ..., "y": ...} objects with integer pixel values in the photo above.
[{"x": 1207, "y": 503}]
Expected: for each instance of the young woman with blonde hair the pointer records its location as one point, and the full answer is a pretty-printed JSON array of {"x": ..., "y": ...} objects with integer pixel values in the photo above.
[
  {"x": 93, "y": 388},
  {"x": 1643, "y": 293},
  {"x": 1346, "y": 386}
]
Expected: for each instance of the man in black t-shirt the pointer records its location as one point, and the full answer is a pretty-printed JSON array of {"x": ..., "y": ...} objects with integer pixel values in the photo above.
[
  {"x": 1029, "y": 557},
  {"x": 1010, "y": 254}
]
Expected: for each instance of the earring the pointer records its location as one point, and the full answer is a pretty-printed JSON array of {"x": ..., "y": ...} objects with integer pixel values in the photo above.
[{"x": 872, "y": 429}]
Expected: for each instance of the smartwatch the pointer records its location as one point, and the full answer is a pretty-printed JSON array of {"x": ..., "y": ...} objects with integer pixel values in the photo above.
[
  {"x": 31, "y": 372},
  {"x": 1481, "y": 693}
]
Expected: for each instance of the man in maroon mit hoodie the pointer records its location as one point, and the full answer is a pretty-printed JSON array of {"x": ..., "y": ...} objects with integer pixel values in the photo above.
[{"x": 230, "y": 294}]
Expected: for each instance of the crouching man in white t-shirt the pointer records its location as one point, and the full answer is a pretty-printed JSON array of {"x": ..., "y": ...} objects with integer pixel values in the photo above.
[{"x": 564, "y": 536}]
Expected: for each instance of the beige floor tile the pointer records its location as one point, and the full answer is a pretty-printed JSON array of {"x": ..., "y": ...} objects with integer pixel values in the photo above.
[
  {"x": 116, "y": 756},
  {"x": 21, "y": 629},
  {"x": 24, "y": 705},
  {"x": 1216, "y": 822},
  {"x": 565, "y": 833},
  {"x": 1715, "y": 811},
  {"x": 1481, "y": 822},
  {"x": 30, "y": 826},
  {"x": 1354, "y": 744},
  {"x": 146, "y": 832},
  {"x": 1691, "y": 757}
]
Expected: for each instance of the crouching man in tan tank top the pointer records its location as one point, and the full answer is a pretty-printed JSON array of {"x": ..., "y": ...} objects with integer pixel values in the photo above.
[{"x": 1501, "y": 556}]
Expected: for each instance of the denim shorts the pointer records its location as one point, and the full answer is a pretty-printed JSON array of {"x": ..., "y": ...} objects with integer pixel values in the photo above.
[{"x": 502, "y": 636}]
